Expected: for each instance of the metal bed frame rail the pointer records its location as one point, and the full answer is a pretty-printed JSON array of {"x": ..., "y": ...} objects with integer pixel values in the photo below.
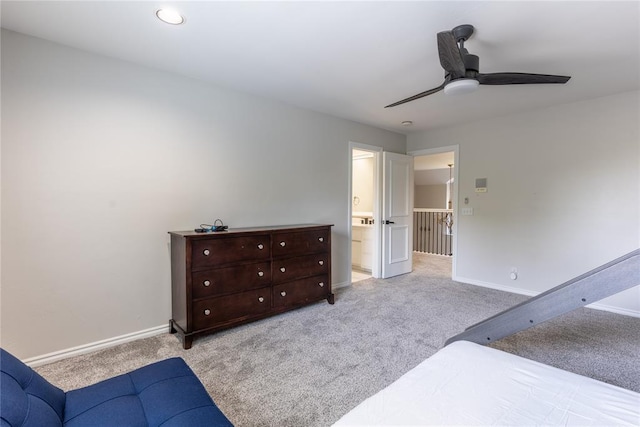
[{"x": 608, "y": 279}]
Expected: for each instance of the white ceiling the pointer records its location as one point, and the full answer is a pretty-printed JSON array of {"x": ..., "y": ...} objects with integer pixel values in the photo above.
[{"x": 350, "y": 59}]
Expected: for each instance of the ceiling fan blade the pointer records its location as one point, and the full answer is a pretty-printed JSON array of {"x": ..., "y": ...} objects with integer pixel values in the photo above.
[
  {"x": 450, "y": 56},
  {"x": 418, "y": 96},
  {"x": 519, "y": 78}
]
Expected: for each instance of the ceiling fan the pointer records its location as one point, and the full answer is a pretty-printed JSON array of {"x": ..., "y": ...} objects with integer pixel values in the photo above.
[{"x": 462, "y": 68}]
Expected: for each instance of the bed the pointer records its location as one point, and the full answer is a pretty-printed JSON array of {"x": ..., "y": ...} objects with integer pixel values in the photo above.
[{"x": 469, "y": 384}]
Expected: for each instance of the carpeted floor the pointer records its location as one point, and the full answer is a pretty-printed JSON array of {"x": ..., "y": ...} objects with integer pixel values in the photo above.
[{"x": 310, "y": 366}]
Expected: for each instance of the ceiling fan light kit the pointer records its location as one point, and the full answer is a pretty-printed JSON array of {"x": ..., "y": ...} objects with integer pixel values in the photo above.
[
  {"x": 461, "y": 86},
  {"x": 462, "y": 69}
]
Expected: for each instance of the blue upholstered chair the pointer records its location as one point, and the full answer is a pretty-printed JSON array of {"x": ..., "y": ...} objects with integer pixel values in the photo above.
[{"x": 165, "y": 393}]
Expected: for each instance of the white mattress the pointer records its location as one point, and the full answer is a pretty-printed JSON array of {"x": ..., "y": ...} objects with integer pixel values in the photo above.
[{"x": 469, "y": 384}]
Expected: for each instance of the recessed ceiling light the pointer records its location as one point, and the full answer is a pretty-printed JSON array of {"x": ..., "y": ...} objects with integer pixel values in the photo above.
[
  {"x": 169, "y": 16},
  {"x": 407, "y": 123}
]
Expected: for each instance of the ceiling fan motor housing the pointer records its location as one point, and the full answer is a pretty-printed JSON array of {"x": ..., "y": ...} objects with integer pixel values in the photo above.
[{"x": 463, "y": 32}]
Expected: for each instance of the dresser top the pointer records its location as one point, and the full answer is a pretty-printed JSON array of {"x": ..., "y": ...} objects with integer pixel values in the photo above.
[{"x": 248, "y": 230}]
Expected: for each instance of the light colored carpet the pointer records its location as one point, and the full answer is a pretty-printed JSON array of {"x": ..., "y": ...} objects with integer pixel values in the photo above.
[{"x": 310, "y": 366}]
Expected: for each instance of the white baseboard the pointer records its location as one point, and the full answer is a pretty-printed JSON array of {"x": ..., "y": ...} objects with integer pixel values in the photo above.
[
  {"x": 98, "y": 345},
  {"x": 340, "y": 285},
  {"x": 158, "y": 330},
  {"x": 596, "y": 306},
  {"x": 494, "y": 286},
  {"x": 612, "y": 309}
]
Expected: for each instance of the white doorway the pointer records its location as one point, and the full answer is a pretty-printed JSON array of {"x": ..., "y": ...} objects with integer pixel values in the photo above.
[
  {"x": 381, "y": 246},
  {"x": 436, "y": 196},
  {"x": 364, "y": 210}
]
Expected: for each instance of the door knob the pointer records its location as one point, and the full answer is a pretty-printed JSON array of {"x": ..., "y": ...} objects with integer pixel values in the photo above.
[{"x": 386, "y": 221}]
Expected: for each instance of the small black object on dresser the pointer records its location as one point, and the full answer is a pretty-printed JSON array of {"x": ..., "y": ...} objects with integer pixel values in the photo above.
[{"x": 220, "y": 280}]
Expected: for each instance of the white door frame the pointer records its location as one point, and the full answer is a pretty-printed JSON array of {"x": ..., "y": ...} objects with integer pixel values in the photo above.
[
  {"x": 377, "y": 201},
  {"x": 456, "y": 202}
]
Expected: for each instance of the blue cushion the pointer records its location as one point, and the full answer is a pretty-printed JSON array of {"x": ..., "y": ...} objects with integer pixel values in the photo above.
[
  {"x": 106, "y": 403},
  {"x": 27, "y": 398},
  {"x": 166, "y": 393}
]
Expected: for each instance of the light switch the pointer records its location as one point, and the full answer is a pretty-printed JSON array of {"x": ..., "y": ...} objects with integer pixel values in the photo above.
[{"x": 467, "y": 211}]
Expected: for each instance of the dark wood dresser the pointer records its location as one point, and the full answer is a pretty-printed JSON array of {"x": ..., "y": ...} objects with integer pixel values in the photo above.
[{"x": 223, "y": 279}]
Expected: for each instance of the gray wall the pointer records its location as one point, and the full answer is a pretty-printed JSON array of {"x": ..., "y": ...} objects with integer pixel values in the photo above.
[
  {"x": 430, "y": 196},
  {"x": 100, "y": 158},
  {"x": 563, "y": 193}
]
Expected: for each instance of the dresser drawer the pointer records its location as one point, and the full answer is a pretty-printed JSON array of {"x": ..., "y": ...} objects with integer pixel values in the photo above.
[
  {"x": 214, "y": 252},
  {"x": 300, "y": 291},
  {"x": 288, "y": 269},
  {"x": 213, "y": 311},
  {"x": 207, "y": 283},
  {"x": 299, "y": 243}
]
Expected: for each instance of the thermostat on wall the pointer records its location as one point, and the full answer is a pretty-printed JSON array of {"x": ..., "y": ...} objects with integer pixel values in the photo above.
[{"x": 481, "y": 185}]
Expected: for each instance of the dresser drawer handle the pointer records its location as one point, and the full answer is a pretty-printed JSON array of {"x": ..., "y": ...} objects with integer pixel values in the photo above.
[
  {"x": 206, "y": 283},
  {"x": 260, "y": 246},
  {"x": 321, "y": 284},
  {"x": 207, "y": 312},
  {"x": 283, "y": 293},
  {"x": 283, "y": 269},
  {"x": 320, "y": 239},
  {"x": 283, "y": 244},
  {"x": 321, "y": 262},
  {"x": 206, "y": 252},
  {"x": 260, "y": 273},
  {"x": 260, "y": 299}
]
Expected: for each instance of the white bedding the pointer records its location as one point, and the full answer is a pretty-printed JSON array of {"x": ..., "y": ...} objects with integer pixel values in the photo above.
[{"x": 469, "y": 384}]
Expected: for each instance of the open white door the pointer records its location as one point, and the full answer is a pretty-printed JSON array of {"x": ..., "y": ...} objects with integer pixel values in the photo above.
[{"x": 397, "y": 214}]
